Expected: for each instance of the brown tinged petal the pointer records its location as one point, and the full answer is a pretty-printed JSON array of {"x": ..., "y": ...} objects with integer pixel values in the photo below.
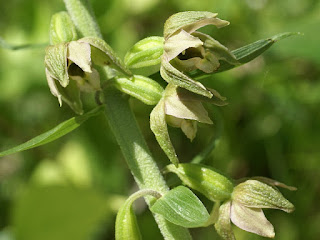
[
  {"x": 102, "y": 54},
  {"x": 191, "y": 21}
]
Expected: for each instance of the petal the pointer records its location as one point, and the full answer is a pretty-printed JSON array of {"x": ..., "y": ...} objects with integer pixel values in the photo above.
[
  {"x": 255, "y": 194},
  {"x": 56, "y": 63},
  {"x": 80, "y": 54},
  {"x": 180, "y": 42},
  {"x": 173, "y": 75},
  {"x": 89, "y": 83},
  {"x": 185, "y": 109},
  {"x": 191, "y": 21},
  {"x": 218, "y": 50},
  {"x": 159, "y": 127},
  {"x": 103, "y": 54},
  {"x": 223, "y": 225},
  {"x": 251, "y": 220},
  {"x": 53, "y": 87}
]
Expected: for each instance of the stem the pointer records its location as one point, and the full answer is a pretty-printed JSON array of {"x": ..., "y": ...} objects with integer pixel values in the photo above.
[
  {"x": 136, "y": 152},
  {"x": 125, "y": 128},
  {"x": 83, "y": 17}
]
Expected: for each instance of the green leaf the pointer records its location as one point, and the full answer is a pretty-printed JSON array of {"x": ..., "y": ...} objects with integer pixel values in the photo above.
[
  {"x": 182, "y": 207},
  {"x": 247, "y": 53},
  {"x": 53, "y": 134}
]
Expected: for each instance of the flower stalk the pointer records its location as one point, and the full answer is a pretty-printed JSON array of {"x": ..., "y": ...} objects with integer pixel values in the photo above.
[{"x": 125, "y": 128}]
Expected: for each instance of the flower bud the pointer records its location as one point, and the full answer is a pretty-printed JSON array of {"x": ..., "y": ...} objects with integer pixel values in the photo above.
[
  {"x": 143, "y": 88},
  {"x": 213, "y": 185},
  {"x": 145, "y": 56},
  {"x": 126, "y": 223},
  {"x": 62, "y": 29}
]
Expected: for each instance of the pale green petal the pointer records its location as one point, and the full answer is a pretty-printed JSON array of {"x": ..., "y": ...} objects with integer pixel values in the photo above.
[
  {"x": 191, "y": 21},
  {"x": 223, "y": 225},
  {"x": 185, "y": 109},
  {"x": 103, "y": 54},
  {"x": 255, "y": 194},
  {"x": 56, "y": 63},
  {"x": 173, "y": 75},
  {"x": 53, "y": 87},
  {"x": 89, "y": 83},
  {"x": 186, "y": 65},
  {"x": 180, "y": 42},
  {"x": 80, "y": 54},
  {"x": 159, "y": 127},
  {"x": 218, "y": 50},
  {"x": 251, "y": 220}
]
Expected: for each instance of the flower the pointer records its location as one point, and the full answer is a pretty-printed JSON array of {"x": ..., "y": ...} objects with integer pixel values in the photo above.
[
  {"x": 70, "y": 63},
  {"x": 186, "y": 50},
  {"x": 183, "y": 109},
  {"x": 244, "y": 209}
]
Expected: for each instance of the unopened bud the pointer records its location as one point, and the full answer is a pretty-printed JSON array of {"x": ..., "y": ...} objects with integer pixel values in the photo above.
[
  {"x": 213, "y": 185},
  {"x": 145, "y": 56},
  {"x": 62, "y": 29}
]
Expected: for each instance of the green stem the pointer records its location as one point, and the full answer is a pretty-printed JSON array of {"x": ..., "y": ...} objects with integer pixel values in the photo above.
[
  {"x": 83, "y": 17},
  {"x": 136, "y": 152},
  {"x": 125, "y": 128}
]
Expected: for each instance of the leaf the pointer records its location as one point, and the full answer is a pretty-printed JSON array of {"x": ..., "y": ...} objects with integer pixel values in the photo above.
[
  {"x": 53, "y": 134},
  {"x": 182, "y": 207},
  {"x": 247, "y": 53}
]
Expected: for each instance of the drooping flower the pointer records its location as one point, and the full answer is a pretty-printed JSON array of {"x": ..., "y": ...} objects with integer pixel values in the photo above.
[
  {"x": 183, "y": 109},
  {"x": 244, "y": 209},
  {"x": 70, "y": 63},
  {"x": 186, "y": 50}
]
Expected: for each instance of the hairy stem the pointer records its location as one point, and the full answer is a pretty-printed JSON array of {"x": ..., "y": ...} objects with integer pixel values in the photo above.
[
  {"x": 125, "y": 128},
  {"x": 135, "y": 150}
]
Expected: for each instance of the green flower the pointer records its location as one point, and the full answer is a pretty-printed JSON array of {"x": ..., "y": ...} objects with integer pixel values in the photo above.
[
  {"x": 70, "y": 63},
  {"x": 244, "y": 209},
  {"x": 186, "y": 50}
]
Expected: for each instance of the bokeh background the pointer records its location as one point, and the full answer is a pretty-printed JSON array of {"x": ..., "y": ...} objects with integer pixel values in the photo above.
[{"x": 72, "y": 188}]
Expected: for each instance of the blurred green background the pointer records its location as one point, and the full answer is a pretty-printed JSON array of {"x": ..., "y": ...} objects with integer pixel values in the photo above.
[{"x": 71, "y": 188}]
